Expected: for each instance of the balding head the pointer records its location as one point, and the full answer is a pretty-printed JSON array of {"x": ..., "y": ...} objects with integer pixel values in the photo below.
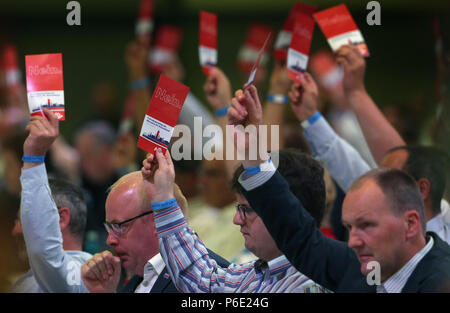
[{"x": 134, "y": 181}]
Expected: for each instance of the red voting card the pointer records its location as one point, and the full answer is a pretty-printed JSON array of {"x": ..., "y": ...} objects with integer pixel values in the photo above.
[
  {"x": 285, "y": 35},
  {"x": 298, "y": 52},
  {"x": 167, "y": 41},
  {"x": 208, "y": 41},
  {"x": 340, "y": 29},
  {"x": 324, "y": 67},
  {"x": 144, "y": 24},
  {"x": 45, "y": 88},
  {"x": 162, "y": 114},
  {"x": 10, "y": 65},
  {"x": 258, "y": 59},
  {"x": 254, "y": 41}
]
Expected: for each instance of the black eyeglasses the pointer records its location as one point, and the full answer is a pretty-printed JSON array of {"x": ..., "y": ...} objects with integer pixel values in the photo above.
[
  {"x": 121, "y": 229},
  {"x": 243, "y": 210}
]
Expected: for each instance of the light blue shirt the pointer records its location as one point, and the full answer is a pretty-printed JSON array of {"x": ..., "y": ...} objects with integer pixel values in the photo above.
[{"x": 53, "y": 268}]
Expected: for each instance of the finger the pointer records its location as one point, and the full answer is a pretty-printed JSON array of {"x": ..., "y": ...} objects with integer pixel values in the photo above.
[
  {"x": 239, "y": 108},
  {"x": 52, "y": 118},
  {"x": 234, "y": 117},
  {"x": 116, "y": 265},
  {"x": 161, "y": 159},
  {"x": 101, "y": 265},
  {"x": 168, "y": 159},
  {"x": 94, "y": 272},
  {"x": 108, "y": 257}
]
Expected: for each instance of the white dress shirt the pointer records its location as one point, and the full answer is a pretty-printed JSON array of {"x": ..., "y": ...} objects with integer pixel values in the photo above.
[{"x": 152, "y": 269}]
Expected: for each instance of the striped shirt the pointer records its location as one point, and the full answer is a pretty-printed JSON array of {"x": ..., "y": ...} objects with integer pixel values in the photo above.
[
  {"x": 396, "y": 282},
  {"x": 193, "y": 271}
]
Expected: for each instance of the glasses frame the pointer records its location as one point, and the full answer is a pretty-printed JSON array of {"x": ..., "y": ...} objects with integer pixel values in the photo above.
[
  {"x": 243, "y": 210},
  {"x": 112, "y": 226}
]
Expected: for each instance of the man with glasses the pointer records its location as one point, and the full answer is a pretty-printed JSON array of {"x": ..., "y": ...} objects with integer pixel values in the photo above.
[
  {"x": 191, "y": 266},
  {"x": 52, "y": 228},
  {"x": 132, "y": 235}
]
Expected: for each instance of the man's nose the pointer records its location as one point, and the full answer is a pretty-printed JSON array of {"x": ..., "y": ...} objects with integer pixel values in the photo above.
[
  {"x": 112, "y": 239},
  {"x": 354, "y": 241},
  {"x": 237, "y": 220}
]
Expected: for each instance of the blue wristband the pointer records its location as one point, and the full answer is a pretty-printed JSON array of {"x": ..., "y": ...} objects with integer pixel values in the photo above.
[
  {"x": 277, "y": 98},
  {"x": 314, "y": 118},
  {"x": 254, "y": 169},
  {"x": 223, "y": 111},
  {"x": 139, "y": 84},
  {"x": 164, "y": 204},
  {"x": 33, "y": 158}
]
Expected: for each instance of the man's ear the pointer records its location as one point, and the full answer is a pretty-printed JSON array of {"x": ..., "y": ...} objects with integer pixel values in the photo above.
[
  {"x": 64, "y": 218},
  {"x": 413, "y": 223},
  {"x": 424, "y": 188}
]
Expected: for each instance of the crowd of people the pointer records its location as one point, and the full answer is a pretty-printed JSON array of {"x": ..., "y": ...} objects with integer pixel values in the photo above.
[{"x": 344, "y": 203}]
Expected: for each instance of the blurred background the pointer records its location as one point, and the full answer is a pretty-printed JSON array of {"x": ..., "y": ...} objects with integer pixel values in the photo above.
[
  {"x": 406, "y": 75},
  {"x": 401, "y": 68}
]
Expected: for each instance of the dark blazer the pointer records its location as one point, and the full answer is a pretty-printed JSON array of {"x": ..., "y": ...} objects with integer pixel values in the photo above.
[
  {"x": 163, "y": 283},
  {"x": 328, "y": 262}
]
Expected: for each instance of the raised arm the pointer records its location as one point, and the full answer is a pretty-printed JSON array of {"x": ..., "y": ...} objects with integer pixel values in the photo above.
[
  {"x": 189, "y": 264},
  {"x": 136, "y": 60},
  {"x": 55, "y": 269},
  {"x": 275, "y": 104},
  {"x": 217, "y": 89},
  {"x": 379, "y": 133},
  {"x": 344, "y": 163},
  {"x": 320, "y": 258}
]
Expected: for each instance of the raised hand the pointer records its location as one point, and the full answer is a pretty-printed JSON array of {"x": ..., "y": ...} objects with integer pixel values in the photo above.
[
  {"x": 217, "y": 89},
  {"x": 136, "y": 60},
  {"x": 354, "y": 67},
  {"x": 163, "y": 173},
  {"x": 42, "y": 133},
  {"x": 303, "y": 97},
  {"x": 101, "y": 273}
]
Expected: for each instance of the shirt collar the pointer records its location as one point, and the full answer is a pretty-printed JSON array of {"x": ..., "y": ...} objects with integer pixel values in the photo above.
[
  {"x": 155, "y": 264},
  {"x": 396, "y": 282},
  {"x": 278, "y": 265}
]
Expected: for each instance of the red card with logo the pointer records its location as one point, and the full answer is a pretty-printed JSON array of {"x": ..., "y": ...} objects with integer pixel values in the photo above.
[
  {"x": 340, "y": 29},
  {"x": 258, "y": 60},
  {"x": 298, "y": 52},
  {"x": 45, "y": 88},
  {"x": 167, "y": 41},
  {"x": 11, "y": 66},
  {"x": 144, "y": 24},
  {"x": 254, "y": 41},
  {"x": 208, "y": 41},
  {"x": 162, "y": 114},
  {"x": 285, "y": 35},
  {"x": 324, "y": 67}
]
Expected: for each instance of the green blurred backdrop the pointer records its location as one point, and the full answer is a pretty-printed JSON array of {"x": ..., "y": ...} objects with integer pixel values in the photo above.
[{"x": 402, "y": 65}]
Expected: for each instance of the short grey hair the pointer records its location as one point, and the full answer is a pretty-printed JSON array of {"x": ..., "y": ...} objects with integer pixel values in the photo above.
[
  {"x": 67, "y": 195},
  {"x": 400, "y": 190}
]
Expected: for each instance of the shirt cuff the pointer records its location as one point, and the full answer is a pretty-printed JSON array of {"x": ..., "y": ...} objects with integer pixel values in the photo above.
[
  {"x": 250, "y": 182},
  {"x": 305, "y": 124},
  {"x": 319, "y": 135},
  {"x": 169, "y": 221}
]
